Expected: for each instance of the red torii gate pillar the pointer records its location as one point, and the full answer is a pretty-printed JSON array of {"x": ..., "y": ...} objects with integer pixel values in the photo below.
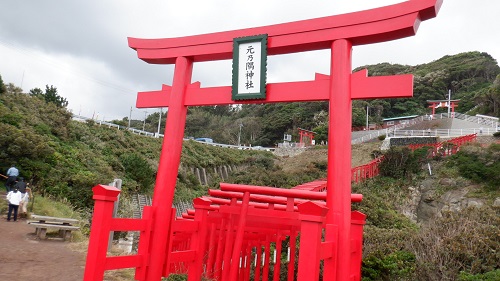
[
  {"x": 339, "y": 33},
  {"x": 338, "y": 182}
]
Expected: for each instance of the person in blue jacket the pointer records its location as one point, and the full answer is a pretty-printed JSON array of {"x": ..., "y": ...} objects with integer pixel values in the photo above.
[{"x": 12, "y": 174}]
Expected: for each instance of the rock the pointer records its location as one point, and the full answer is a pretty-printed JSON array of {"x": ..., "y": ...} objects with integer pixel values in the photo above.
[
  {"x": 496, "y": 203},
  {"x": 474, "y": 202},
  {"x": 448, "y": 182}
]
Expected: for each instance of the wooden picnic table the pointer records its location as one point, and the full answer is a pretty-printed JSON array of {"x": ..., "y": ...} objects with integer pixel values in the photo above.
[{"x": 42, "y": 223}]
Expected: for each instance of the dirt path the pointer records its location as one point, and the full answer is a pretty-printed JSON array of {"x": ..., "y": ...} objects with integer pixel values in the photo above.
[{"x": 24, "y": 257}]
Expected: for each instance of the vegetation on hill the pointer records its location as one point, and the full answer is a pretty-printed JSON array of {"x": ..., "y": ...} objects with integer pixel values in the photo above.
[{"x": 63, "y": 158}]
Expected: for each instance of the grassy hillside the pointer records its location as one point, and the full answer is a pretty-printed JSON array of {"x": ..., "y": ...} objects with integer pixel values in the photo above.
[{"x": 64, "y": 159}]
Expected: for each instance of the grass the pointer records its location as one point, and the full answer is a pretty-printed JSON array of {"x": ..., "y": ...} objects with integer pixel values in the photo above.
[{"x": 47, "y": 207}]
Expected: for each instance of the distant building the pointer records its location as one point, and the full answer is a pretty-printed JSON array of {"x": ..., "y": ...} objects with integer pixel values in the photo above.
[{"x": 388, "y": 122}]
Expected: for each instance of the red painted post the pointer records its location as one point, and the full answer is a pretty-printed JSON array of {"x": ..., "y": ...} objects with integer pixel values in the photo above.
[
  {"x": 144, "y": 242},
  {"x": 247, "y": 260},
  {"x": 312, "y": 217},
  {"x": 105, "y": 197},
  {"x": 291, "y": 262},
  {"x": 357, "y": 223},
  {"x": 229, "y": 242},
  {"x": 239, "y": 237},
  {"x": 220, "y": 251},
  {"x": 277, "y": 260},
  {"x": 202, "y": 207},
  {"x": 168, "y": 167},
  {"x": 339, "y": 160},
  {"x": 170, "y": 245},
  {"x": 212, "y": 249},
  {"x": 256, "y": 272},
  {"x": 267, "y": 253}
]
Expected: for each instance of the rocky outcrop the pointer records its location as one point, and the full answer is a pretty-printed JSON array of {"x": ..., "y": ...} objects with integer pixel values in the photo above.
[{"x": 435, "y": 196}]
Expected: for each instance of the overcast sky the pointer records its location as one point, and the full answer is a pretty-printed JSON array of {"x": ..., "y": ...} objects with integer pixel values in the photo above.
[{"x": 80, "y": 47}]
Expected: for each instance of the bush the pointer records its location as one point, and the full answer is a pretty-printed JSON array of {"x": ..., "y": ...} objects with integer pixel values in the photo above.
[
  {"x": 138, "y": 169},
  {"x": 496, "y": 134},
  {"x": 488, "y": 276},
  {"x": 399, "y": 265},
  {"x": 401, "y": 162},
  {"x": 479, "y": 165},
  {"x": 462, "y": 241},
  {"x": 381, "y": 137},
  {"x": 177, "y": 277}
]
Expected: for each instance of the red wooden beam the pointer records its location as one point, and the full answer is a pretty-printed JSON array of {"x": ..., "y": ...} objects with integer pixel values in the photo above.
[
  {"x": 363, "y": 87},
  {"x": 364, "y": 27}
]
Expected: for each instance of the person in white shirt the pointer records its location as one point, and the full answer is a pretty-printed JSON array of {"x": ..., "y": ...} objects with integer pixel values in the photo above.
[{"x": 14, "y": 198}]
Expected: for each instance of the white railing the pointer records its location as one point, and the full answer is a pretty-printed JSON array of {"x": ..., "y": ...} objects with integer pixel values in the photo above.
[
  {"x": 370, "y": 136},
  {"x": 241, "y": 147},
  {"x": 443, "y": 132},
  {"x": 483, "y": 120},
  {"x": 112, "y": 125},
  {"x": 156, "y": 135},
  {"x": 388, "y": 131}
]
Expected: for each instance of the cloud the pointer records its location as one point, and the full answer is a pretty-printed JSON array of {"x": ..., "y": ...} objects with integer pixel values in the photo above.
[{"x": 81, "y": 47}]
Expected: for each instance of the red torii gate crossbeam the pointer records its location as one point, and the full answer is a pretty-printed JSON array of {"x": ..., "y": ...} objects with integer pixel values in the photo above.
[{"x": 338, "y": 33}]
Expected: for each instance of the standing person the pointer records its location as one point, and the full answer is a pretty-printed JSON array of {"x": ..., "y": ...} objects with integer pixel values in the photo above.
[
  {"x": 12, "y": 174},
  {"x": 14, "y": 198},
  {"x": 21, "y": 185},
  {"x": 24, "y": 203}
]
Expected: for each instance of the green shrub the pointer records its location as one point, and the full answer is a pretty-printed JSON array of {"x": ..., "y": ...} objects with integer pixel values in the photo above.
[
  {"x": 479, "y": 165},
  {"x": 496, "y": 134},
  {"x": 381, "y": 137},
  {"x": 177, "y": 277},
  {"x": 138, "y": 169},
  {"x": 401, "y": 162},
  {"x": 396, "y": 266},
  {"x": 488, "y": 276}
]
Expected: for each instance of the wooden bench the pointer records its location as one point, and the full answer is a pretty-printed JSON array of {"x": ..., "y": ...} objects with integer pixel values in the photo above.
[{"x": 42, "y": 223}]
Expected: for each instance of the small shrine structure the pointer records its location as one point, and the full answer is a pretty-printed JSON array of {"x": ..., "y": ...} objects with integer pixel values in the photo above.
[
  {"x": 450, "y": 104},
  {"x": 306, "y": 135}
]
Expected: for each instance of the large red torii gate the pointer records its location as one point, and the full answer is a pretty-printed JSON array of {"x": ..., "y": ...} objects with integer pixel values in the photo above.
[{"x": 338, "y": 33}]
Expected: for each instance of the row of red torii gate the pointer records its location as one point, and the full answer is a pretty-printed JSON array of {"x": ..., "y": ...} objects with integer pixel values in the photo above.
[{"x": 231, "y": 228}]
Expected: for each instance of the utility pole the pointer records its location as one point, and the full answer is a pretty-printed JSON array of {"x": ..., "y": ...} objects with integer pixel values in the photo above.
[
  {"x": 367, "y": 113},
  {"x": 144, "y": 123},
  {"x": 159, "y": 123},
  {"x": 449, "y": 103},
  {"x": 130, "y": 117},
  {"x": 239, "y": 134}
]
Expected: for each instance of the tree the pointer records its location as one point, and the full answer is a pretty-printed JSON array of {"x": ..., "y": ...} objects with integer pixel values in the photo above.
[
  {"x": 50, "y": 95},
  {"x": 13, "y": 89},
  {"x": 3, "y": 88}
]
